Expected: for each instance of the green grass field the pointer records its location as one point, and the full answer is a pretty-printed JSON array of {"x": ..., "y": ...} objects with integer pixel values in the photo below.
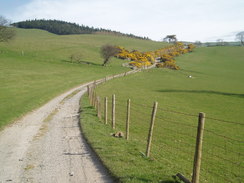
[
  {"x": 35, "y": 67},
  {"x": 216, "y": 88}
]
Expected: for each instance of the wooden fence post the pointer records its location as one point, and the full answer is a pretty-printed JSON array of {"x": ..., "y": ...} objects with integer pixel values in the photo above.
[
  {"x": 94, "y": 98},
  {"x": 98, "y": 108},
  {"x": 128, "y": 120},
  {"x": 113, "y": 111},
  {"x": 91, "y": 97},
  {"x": 88, "y": 90},
  {"x": 106, "y": 110},
  {"x": 198, "y": 150},
  {"x": 149, "y": 141},
  {"x": 95, "y": 102}
]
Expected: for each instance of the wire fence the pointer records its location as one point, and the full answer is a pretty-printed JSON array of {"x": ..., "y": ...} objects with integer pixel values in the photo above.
[{"x": 175, "y": 139}]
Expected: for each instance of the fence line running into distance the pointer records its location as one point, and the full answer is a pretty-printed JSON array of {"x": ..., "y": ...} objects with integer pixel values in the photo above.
[{"x": 216, "y": 150}]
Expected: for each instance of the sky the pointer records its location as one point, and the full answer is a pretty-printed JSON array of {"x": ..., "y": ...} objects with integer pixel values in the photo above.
[{"x": 189, "y": 20}]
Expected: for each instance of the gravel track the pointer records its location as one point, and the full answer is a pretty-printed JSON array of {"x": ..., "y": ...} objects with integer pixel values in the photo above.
[{"x": 46, "y": 145}]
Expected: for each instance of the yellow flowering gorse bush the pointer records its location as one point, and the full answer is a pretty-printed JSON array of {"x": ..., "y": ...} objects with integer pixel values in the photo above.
[{"x": 165, "y": 55}]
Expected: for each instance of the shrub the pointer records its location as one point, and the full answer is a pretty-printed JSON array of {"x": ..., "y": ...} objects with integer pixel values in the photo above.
[
  {"x": 75, "y": 57},
  {"x": 166, "y": 54},
  {"x": 190, "y": 47},
  {"x": 166, "y": 57},
  {"x": 171, "y": 65},
  {"x": 160, "y": 65},
  {"x": 108, "y": 51}
]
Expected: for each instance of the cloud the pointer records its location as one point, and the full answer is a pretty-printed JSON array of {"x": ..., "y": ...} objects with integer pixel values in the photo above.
[{"x": 189, "y": 20}]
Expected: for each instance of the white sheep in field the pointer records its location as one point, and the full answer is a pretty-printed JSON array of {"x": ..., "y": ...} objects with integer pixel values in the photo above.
[{"x": 190, "y": 76}]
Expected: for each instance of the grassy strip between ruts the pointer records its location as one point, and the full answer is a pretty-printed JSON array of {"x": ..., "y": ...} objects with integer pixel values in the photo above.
[{"x": 124, "y": 159}]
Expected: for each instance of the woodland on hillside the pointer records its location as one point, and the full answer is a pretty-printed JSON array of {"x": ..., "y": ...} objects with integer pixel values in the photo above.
[{"x": 67, "y": 28}]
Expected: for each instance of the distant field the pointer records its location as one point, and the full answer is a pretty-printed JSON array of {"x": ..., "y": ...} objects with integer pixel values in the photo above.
[
  {"x": 35, "y": 67},
  {"x": 216, "y": 88}
]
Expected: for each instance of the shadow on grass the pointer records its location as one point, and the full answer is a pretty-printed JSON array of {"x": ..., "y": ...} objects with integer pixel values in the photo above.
[
  {"x": 145, "y": 180},
  {"x": 89, "y": 110},
  {"x": 88, "y": 107},
  {"x": 190, "y": 71},
  {"x": 168, "y": 181},
  {"x": 203, "y": 92},
  {"x": 81, "y": 62},
  {"x": 135, "y": 179}
]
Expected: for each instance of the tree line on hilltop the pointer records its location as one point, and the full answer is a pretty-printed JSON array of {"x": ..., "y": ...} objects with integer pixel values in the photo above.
[{"x": 67, "y": 28}]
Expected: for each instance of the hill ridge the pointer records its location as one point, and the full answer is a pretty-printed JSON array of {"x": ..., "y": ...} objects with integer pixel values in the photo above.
[{"x": 60, "y": 27}]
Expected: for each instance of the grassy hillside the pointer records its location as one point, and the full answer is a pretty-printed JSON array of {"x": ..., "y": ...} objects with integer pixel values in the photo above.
[
  {"x": 216, "y": 88},
  {"x": 35, "y": 67}
]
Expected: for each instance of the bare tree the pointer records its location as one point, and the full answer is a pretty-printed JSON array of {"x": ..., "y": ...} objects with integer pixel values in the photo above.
[
  {"x": 240, "y": 37},
  {"x": 3, "y": 21},
  {"x": 5, "y": 32},
  {"x": 108, "y": 51},
  {"x": 220, "y": 42},
  {"x": 170, "y": 39},
  {"x": 198, "y": 43}
]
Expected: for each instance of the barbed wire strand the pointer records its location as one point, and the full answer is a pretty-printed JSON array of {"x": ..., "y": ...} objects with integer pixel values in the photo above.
[
  {"x": 227, "y": 160},
  {"x": 174, "y": 122},
  {"x": 218, "y": 175},
  {"x": 173, "y": 140},
  {"x": 237, "y": 153},
  {"x": 224, "y": 149},
  {"x": 179, "y": 133},
  {"x": 223, "y": 136},
  {"x": 226, "y": 170},
  {"x": 184, "y": 151},
  {"x": 188, "y": 114},
  {"x": 157, "y": 117},
  {"x": 225, "y": 121}
]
